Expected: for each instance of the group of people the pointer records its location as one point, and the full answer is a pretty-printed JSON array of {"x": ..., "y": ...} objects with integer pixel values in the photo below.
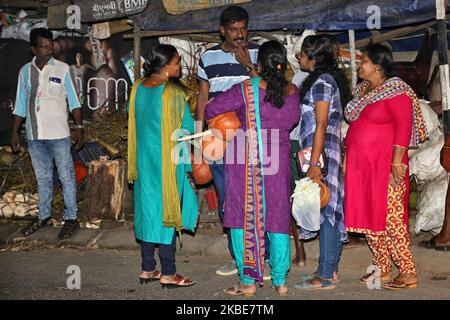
[
  {"x": 370, "y": 197},
  {"x": 254, "y": 200}
]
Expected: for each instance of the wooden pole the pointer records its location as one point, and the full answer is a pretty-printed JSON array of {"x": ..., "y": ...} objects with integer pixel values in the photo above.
[
  {"x": 441, "y": 23},
  {"x": 137, "y": 51},
  {"x": 351, "y": 39}
]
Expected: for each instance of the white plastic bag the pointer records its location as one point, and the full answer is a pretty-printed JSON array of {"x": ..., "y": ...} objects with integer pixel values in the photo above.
[{"x": 306, "y": 204}]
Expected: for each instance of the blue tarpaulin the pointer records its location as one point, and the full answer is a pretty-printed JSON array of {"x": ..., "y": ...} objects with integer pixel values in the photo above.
[{"x": 295, "y": 14}]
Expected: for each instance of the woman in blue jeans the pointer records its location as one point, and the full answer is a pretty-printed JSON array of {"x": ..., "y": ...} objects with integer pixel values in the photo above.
[{"x": 322, "y": 95}]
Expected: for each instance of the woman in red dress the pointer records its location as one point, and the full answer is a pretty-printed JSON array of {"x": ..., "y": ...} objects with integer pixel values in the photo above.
[{"x": 385, "y": 119}]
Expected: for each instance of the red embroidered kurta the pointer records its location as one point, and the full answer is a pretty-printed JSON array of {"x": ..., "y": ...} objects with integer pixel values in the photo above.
[{"x": 369, "y": 143}]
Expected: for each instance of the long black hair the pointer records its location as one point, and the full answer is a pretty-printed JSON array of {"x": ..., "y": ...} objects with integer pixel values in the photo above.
[
  {"x": 382, "y": 56},
  {"x": 158, "y": 57},
  {"x": 272, "y": 63},
  {"x": 320, "y": 48}
]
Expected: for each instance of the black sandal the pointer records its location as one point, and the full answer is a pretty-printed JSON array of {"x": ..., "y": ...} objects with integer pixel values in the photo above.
[
  {"x": 68, "y": 229},
  {"x": 36, "y": 225}
]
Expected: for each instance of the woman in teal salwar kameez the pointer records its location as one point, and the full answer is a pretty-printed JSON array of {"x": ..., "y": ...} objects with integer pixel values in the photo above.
[{"x": 164, "y": 200}]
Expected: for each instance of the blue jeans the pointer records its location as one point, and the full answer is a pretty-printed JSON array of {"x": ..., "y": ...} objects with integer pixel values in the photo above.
[
  {"x": 42, "y": 153},
  {"x": 218, "y": 173},
  {"x": 166, "y": 256},
  {"x": 330, "y": 250}
]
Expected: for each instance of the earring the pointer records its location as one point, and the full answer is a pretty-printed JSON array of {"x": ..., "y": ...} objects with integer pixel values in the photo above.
[
  {"x": 167, "y": 74},
  {"x": 312, "y": 68}
]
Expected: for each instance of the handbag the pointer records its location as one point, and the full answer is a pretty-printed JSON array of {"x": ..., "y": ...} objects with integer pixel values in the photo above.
[{"x": 303, "y": 158}]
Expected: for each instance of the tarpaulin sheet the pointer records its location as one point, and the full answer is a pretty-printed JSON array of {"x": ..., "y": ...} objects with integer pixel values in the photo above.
[{"x": 294, "y": 14}]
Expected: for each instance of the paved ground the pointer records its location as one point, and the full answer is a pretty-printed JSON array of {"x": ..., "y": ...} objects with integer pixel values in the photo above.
[{"x": 109, "y": 262}]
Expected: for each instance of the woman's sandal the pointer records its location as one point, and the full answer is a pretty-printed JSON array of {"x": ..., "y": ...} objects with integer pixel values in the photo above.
[
  {"x": 146, "y": 276},
  {"x": 175, "y": 281},
  {"x": 370, "y": 277},
  {"x": 399, "y": 285},
  {"x": 324, "y": 284},
  {"x": 282, "y": 290},
  {"x": 336, "y": 278},
  {"x": 241, "y": 289}
]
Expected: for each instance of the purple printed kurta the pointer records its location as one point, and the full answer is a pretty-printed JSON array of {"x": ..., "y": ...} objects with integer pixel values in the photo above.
[{"x": 276, "y": 125}]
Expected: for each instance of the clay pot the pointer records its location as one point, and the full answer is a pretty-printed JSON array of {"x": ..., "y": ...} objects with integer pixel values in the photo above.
[
  {"x": 200, "y": 172},
  {"x": 81, "y": 171},
  {"x": 213, "y": 148},
  {"x": 325, "y": 194},
  {"x": 226, "y": 124}
]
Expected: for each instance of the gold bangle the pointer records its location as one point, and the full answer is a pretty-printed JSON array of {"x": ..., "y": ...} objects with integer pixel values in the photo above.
[{"x": 446, "y": 147}]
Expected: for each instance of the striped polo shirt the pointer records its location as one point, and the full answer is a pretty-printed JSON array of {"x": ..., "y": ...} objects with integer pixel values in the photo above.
[
  {"x": 42, "y": 98},
  {"x": 222, "y": 70}
]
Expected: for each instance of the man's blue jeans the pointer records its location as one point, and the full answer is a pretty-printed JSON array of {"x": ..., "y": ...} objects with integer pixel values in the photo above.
[
  {"x": 218, "y": 173},
  {"x": 330, "y": 250},
  {"x": 42, "y": 153}
]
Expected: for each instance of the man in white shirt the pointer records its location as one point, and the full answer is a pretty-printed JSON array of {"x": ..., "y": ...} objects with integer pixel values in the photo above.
[{"x": 45, "y": 85}]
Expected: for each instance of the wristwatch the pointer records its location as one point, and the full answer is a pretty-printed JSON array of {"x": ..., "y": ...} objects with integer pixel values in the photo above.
[
  {"x": 249, "y": 67},
  {"x": 79, "y": 126}
]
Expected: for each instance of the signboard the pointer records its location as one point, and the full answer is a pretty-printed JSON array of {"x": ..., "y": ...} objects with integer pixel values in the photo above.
[
  {"x": 57, "y": 15},
  {"x": 99, "y": 10},
  {"x": 182, "y": 6}
]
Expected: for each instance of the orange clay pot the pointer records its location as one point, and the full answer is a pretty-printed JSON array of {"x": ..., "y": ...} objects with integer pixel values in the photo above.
[
  {"x": 325, "y": 194},
  {"x": 213, "y": 148},
  {"x": 81, "y": 171},
  {"x": 226, "y": 124},
  {"x": 200, "y": 172}
]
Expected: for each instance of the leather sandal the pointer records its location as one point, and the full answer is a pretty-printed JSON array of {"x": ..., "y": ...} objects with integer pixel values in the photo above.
[
  {"x": 336, "y": 278},
  {"x": 321, "y": 284},
  {"x": 241, "y": 289},
  {"x": 282, "y": 290},
  {"x": 68, "y": 229},
  {"x": 170, "y": 282},
  {"x": 371, "y": 277},
  {"x": 149, "y": 276},
  {"x": 36, "y": 225},
  {"x": 399, "y": 285}
]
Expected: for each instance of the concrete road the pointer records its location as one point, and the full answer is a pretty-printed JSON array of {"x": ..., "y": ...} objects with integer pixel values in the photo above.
[{"x": 41, "y": 273}]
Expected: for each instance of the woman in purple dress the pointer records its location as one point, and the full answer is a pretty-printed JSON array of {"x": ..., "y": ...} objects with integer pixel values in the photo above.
[{"x": 257, "y": 169}]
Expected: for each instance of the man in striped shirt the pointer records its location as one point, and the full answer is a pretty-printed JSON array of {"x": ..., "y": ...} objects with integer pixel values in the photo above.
[
  {"x": 45, "y": 85},
  {"x": 220, "y": 67}
]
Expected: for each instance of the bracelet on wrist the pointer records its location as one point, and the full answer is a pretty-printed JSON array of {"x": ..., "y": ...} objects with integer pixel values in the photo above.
[
  {"x": 249, "y": 67},
  {"x": 315, "y": 164},
  {"x": 79, "y": 126}
]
